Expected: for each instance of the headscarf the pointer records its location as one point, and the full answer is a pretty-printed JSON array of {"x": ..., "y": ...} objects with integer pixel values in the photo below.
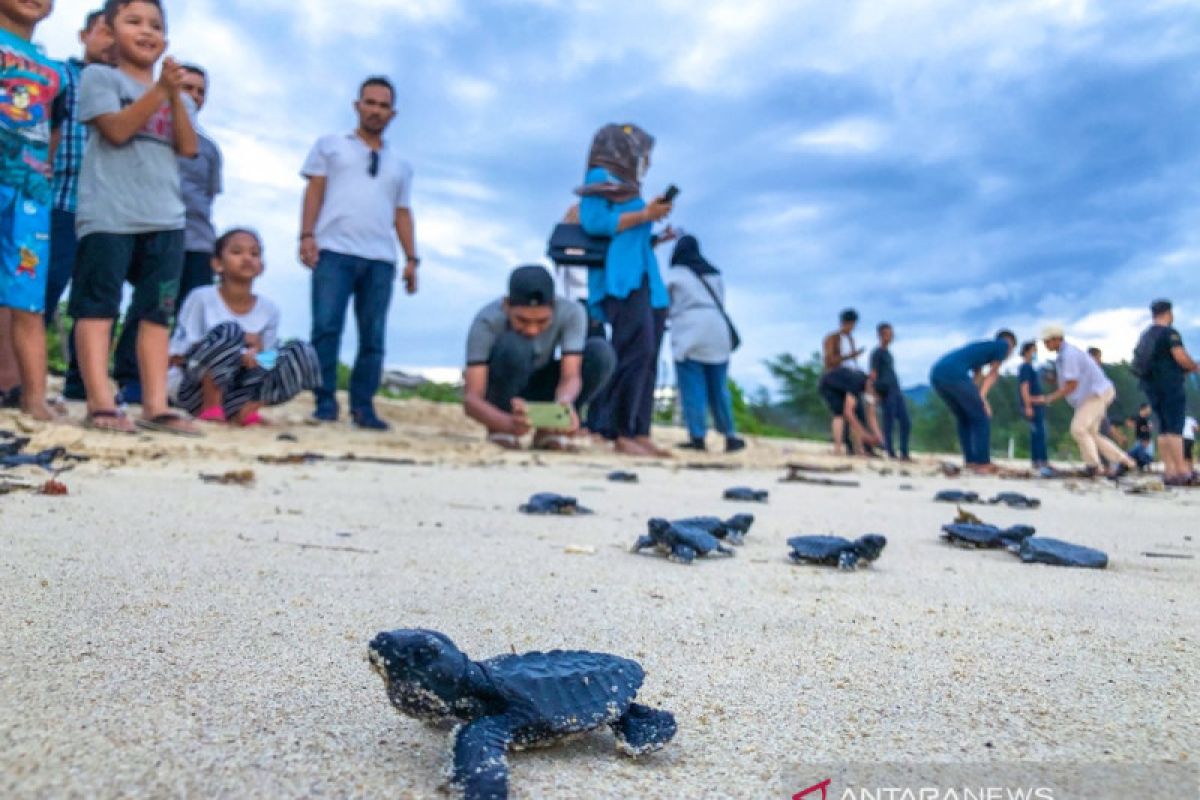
[
  {"x": 687, "y": 254},
  {"x": 618, "y": 149}
]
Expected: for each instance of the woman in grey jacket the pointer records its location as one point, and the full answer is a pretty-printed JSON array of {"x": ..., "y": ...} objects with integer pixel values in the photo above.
[{"x": 701, "y": 342}]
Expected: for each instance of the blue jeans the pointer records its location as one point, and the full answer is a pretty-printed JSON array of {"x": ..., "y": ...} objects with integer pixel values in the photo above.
[
  {"x": 974, "y": 425},
  {"x": 1037, "y": 436},
  {"x": 337, "y": 278},
  {"x": 705, "y": 387},
  {"x": 895, "y": 412}
]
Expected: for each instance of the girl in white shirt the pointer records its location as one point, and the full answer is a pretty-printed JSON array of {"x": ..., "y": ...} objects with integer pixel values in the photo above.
[{"x": 225, "y": 360}]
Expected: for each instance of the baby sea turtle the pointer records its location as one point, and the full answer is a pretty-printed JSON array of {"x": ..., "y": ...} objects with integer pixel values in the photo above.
[
  {"x": 985, "y": 537},
  {"x": 956, "y": 496},
  {"x": 1015, "y": 500},
  {"x": 681, "y": 543},
  {"x": 1043, "y": 550},
  {"x": 743, "y": 494},
  {"x": 513, "y": 701},
  {"x": 553, "y": 504},
  {"x": 834, "y": 551},
  {"x": 732, "y": 530},
  {"x": 623, "y": 477}
]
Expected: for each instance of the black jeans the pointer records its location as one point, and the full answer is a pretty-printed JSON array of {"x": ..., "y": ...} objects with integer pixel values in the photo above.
[
  {"x": 621, "y": 409},
  {"x": 511, "y": 372}
]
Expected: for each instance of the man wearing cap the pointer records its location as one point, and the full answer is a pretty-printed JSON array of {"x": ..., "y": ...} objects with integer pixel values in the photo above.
[
  {"x": 1164, "y": 372},
  {"x": 532, "y": 346},
  {"x": 1089, "y": 391}
]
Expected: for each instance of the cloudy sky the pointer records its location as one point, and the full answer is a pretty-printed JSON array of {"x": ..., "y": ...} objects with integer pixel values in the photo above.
[{"x": 949, "y": 165}]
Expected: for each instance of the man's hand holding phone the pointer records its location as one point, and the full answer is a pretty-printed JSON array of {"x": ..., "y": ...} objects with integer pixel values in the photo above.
[{"x": 519, "y": 423}]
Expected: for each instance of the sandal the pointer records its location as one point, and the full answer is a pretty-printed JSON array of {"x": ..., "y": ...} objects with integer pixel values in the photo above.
[
  {"x": 214, "y": 414},
  {"x": 554, "y": 443},
  {"x": 506, "y": 441},
  {"x": 117, "y": 422},
  {"x": 252, "y": 420},
  {"x": 171, "y": 423}
]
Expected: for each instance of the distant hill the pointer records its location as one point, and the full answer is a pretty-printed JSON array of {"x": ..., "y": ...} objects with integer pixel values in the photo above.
[{"x": 919, "y": 395}]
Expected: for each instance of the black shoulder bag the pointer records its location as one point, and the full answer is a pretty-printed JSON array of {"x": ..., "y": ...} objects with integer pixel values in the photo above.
[
  {"x": 572, "y": 246},
  {"x": 734, "y": 336}
]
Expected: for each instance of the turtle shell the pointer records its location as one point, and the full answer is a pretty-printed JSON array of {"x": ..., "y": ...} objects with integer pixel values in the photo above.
[
  {"x": 956, "y": 496},
  {"x": 968, "y": 535},
  {"x": 693, "y": 536},
  {"x": 745, "y": 494},
  {"x": 549, "y": 503},
  {"x": 819, "y": 549},
  {"x": 1015, "y": 500},
  {"x": 564, "y": 692},
  {"x": 1043, "y": 550}
]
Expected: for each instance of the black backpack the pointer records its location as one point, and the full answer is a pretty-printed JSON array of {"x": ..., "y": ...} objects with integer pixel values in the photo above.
[{"x": 1143, "y": 354}]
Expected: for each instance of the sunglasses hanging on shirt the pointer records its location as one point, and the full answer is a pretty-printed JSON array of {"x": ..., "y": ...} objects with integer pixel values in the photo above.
[{"x": 373, "y": 167}]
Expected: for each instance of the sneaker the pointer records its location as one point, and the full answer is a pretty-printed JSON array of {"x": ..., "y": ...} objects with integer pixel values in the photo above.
[
  {"x": 326, "y": 412},
  {"x": 734, "y": 445},
  {"x": 693, "y": 444},
  {"x": 1118, "y": 472},
  {"x": 366, "y": 420}
]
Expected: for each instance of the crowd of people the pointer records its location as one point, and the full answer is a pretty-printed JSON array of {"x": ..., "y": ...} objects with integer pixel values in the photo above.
[{"x": 108, "y": 179}]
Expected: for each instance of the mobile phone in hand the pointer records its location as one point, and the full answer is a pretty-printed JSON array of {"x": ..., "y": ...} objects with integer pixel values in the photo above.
[
  {"x": 548, "y": 416},
  {"x": 671, "y": 193}
]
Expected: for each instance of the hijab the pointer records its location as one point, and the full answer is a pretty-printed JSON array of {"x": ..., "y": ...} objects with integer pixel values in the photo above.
[
  {"x": 687, "y": 254},
  {"x": 620, "y": 149}
]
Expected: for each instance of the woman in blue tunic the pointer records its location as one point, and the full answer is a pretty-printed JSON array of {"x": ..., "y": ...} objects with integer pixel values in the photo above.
[{"x": 629, "y": 293}]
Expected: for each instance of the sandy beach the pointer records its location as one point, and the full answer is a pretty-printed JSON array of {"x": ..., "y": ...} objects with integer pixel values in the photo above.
[{"x": 165, "y": 637}]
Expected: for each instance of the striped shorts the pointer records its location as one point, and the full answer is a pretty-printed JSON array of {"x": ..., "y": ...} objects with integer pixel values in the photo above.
[{"x": 219, "y": 356}]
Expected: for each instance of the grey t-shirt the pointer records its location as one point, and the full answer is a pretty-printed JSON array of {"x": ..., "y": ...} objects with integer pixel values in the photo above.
[
  {"x": 200, "y": 178},
  {"x": 567, "y": 331},
  {"x": 134, "y": 187}
]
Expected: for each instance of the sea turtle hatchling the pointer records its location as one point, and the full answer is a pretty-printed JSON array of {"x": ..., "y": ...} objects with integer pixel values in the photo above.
[
  {"x": 957, "y": 496},
  {"x": 744, "y": 494},
  {"x": 732, "y": 530},
  {"x": 513, "y": 702},
  {"x": 1015, "y": 500},
  {"x": 680, "y": 543},
  {"x": 986, "y": 537},
  {"x": 547, "y": 503},
  {"x": 835, "y": 551},
  {"x": 1044, "y": 550}
]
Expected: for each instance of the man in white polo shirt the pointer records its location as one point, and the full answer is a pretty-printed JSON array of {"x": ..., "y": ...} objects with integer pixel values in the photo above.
[
  {"x": 355, "y": 207},
  {"x": 1089, "y": 391}
]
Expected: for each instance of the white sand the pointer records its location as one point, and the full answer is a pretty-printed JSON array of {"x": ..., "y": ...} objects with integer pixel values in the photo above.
[{"x": 163, "y": 637}]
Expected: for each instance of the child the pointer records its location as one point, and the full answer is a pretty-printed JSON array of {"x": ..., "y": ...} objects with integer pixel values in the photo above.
[
  {"x": 29, "y": 86},
  {"x": 224, "y": 365},
  {"x": 130, "y": 217}
]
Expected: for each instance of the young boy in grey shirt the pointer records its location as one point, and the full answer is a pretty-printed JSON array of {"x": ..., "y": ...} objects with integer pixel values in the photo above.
[{"x": 131, "y": 215}]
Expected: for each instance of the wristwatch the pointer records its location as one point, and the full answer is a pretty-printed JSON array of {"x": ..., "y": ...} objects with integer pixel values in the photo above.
[{"x": 414, "y": 260}]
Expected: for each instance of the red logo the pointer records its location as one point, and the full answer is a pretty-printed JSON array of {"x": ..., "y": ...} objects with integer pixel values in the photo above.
[{"x": 822, "y": 787}]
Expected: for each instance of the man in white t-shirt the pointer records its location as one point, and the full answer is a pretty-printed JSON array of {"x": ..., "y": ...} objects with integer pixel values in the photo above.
[
  {"x": 356, "y": 205},
  {"x": 1089, "y": 391}
]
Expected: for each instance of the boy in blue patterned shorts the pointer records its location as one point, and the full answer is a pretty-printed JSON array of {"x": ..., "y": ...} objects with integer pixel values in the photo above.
[{"x": 29, "y": 87}]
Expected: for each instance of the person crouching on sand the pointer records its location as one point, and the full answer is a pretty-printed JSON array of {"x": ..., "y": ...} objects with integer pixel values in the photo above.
[
  {"x": 511, "y": 361},
  {"x": 226, "y": 363}
]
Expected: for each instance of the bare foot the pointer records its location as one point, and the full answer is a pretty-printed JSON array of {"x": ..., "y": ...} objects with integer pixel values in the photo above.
[
  {"x": 647, "y": 444},
  {"x": 629, "y": 447},
  {"x": 985, "y": 469},
  {"x": 41, "y": 411}
]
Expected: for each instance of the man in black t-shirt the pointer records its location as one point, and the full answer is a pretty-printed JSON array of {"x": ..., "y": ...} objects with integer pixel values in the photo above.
[
  {"x": 891, "y": 398},
  {"x": 1163, "y": 384}
]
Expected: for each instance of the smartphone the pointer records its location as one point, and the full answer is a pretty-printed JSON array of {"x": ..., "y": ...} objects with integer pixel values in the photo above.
[
  {"x": 548, "y": 416},
  {"x": 671, "y": 193},
  {"x": 267, "y": 358}
]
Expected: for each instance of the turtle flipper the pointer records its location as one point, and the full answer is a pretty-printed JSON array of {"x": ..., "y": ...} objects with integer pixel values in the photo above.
[
  {"x": 683, "y": 554},
  {"x": 848, "y": 560},
  {"x": 643, "y": 730},
  {"x": 642, "y": 543},
  {"x": 480, "y": 762},
  {"x": 722, "y": 549}
]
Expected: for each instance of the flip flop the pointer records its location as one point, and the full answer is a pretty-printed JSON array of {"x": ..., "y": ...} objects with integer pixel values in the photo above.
[
  {"x": 252, "y": 420},
  {"x": 121, "y": 425},
  {"x": 169, "y": 423},
  {"x": 505, "y": 440},
  {"x": 214, "y": 414}
]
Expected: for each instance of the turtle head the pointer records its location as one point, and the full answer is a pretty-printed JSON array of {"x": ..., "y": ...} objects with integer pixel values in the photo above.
[
  {"x": 870, "y": 546},
  {"x": 740, "y": 523},
  {"x": 658, "y": 528},
  {"x": 423, "y": 671}
]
